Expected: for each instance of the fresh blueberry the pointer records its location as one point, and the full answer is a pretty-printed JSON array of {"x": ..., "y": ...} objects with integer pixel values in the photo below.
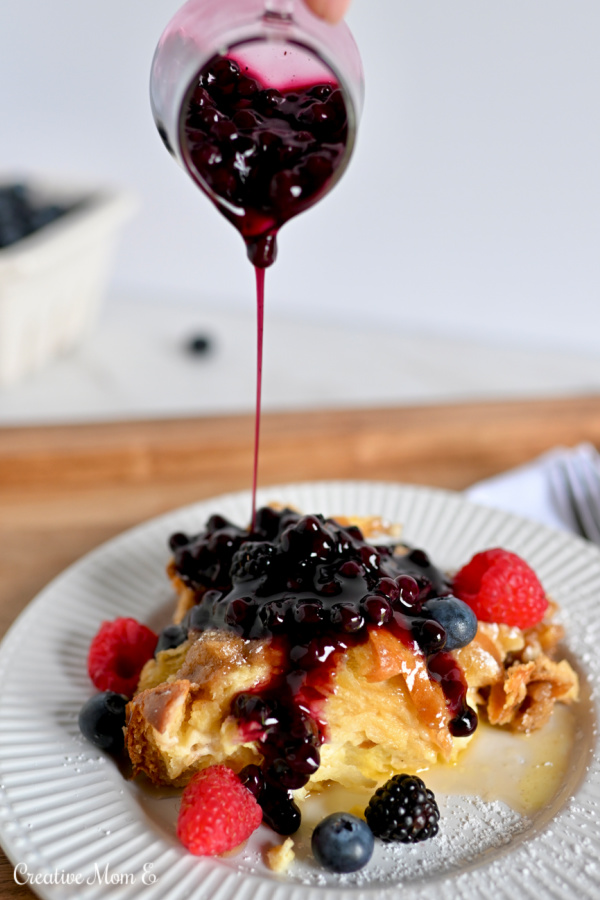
[
  {"x": 170, "y": 637},
  {"x": 102, "y": 719},
  {"x": 456, "y": 618},
  {"x": 342, "y": 843}
]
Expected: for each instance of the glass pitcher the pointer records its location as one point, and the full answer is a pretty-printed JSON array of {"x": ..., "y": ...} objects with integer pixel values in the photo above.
[{"x": 285, "y": 49}]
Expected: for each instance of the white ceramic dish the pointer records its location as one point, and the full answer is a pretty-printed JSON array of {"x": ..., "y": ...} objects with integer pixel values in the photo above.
[
  {"x": 66, "y": 811},
  {"x": 52, "y": 282}
]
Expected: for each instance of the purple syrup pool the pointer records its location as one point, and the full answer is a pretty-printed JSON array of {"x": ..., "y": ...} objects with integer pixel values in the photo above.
[{"x": 263, "y": 155}]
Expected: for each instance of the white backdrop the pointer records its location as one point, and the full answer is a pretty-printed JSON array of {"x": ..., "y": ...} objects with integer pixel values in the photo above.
[{"x": 472, "y": 206}]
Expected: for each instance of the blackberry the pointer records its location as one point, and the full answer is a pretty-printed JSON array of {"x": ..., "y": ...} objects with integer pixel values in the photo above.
[
  {"x": 251, "y": 561},
  {"x": 403, "y": 810}
]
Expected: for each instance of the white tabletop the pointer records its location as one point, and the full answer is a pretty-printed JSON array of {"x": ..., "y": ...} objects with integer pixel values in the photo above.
[{"x": 135, "y": 365}]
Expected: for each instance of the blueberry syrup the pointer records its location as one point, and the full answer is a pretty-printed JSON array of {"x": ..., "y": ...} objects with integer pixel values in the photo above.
[
  {"x": 314, "y": 589},
  {"x": 262, "y": 155},
  {"x": 260, "y": 321}
]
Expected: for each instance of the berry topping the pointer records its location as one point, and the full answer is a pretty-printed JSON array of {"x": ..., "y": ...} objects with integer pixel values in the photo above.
[
  {"x": 217, "y": 812},
  {"x": 118, "y": 653},
  {"x": 403, "y": 810},
  {"x": 456, "y": 618},
  {"x": 313, "y": 588},
  {"x": 499, "y": 586},
  {"x": 342, "y": 843},
  {"x": 102, "y": 719}
]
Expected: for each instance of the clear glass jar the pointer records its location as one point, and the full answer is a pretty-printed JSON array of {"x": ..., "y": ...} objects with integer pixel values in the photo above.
[{"x": 280, "y": 42}]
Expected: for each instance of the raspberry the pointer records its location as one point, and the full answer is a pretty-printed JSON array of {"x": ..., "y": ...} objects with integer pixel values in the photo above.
[
  {"x": 403, "y": 810},
  {"x": 499, "y": 586},
  {"x": 118, "y": 653},
  {"x": 217, "y": 812}
]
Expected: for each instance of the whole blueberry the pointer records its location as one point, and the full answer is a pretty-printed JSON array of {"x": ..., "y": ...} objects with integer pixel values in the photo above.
[
  {"x": 458, "y": 620},
  {"x": 342, "y": 843},
  {"x": 102, "y": 719},
  {"x": 170, "y": 637}
]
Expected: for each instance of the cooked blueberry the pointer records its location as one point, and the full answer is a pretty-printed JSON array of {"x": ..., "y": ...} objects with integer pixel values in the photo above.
[
  {"x": 223, "y": 182},
  {"x": 268, "y": 101},
  {"x": 409, "y": 591},
  {"x": 342, "y": 843},
  {"x": 286, "y": 775},
  {"x": 318, "y": 166},
  {"x": 279, "y": 809},
  {"x": 458, "y": 620},
  {"x": 224, "y": 132},
  {"x": 309, "y": 612},
  {"x": 303, "y": 758},
  {"x": 178, "y": 539},
  {"x": 376, "y": 609},
  {"x": 252, "y": 778},
  {"x": 170, "y": 637},
  {"x": 207, "y": 156},
  {"x": 240, "y": 611},
  {"x": 200, "y": 98},
  {"x": 319, "y": 114},
  {"x": 285, "y": 188},
  {"x": 320, "y": 91},
  {"x": 223, "y": 74},
  {"x": 247, "y": 87},
  {"x": 464, "y": 723},
  {"x": 429, "y": 634},
  {"x": 346, "y": 618},
  {"x": 419, "y": 557},
  {"x": 245, "y": 120},
  {"x": 250, "y": 707},
  {"x": 102, "y": 719}
]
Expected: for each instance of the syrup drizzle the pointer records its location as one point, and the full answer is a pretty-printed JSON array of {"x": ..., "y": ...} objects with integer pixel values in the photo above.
[
  {"x": 260, "y": 319},
  {"x": 263, "y": 156},
  {"x": 314, "y": 588}
]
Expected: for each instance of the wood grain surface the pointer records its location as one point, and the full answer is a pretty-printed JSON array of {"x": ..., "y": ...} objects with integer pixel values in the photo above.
[{"x": 64, "y": 490}]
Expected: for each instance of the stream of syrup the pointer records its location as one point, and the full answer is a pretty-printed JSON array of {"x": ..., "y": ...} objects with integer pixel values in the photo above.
[
  {"x": 262, "y": 155},
  {"x": 260, "y": 321}
]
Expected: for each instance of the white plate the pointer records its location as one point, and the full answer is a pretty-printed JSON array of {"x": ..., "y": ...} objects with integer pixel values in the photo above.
[{"x": 66, "y": 812}]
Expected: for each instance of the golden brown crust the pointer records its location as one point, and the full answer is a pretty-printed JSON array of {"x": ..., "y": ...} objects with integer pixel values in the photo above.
[
  {"x": 186, "y": 597},
  {"x": 526, "y": 696},
  {"x": 178, "y": 726}
]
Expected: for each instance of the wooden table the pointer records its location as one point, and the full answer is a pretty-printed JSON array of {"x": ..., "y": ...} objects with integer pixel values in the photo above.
[{"x": 64, "y": 490}]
